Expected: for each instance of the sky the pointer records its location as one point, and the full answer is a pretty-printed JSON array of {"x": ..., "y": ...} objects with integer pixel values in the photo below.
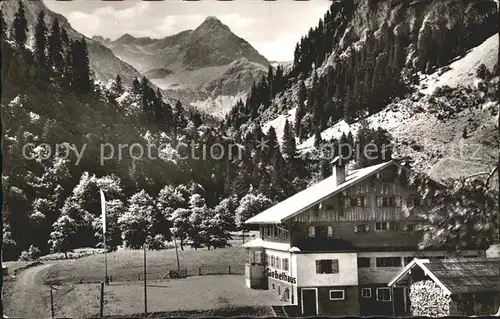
[{"x": 271, "y": 27}]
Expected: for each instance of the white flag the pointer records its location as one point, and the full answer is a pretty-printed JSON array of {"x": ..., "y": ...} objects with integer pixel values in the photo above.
[{"x": 103, "y": 209}]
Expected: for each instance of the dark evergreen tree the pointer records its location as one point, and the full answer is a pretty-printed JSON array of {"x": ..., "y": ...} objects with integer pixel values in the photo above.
[
  {"x": 136, "y": 86},
  {"x": 118, "y": 85},
  {"x": 317, "y": 138},
  {"x": 41, "y": 42},
  {"x": 20, "y": 26},
  {"x": 272, "y": 144},
  {"x": 270, "y": 78},
  {"x": 81, "y": 77},
  {"x": 55, "y": 52},
  {"x": 289, "y": 144}
]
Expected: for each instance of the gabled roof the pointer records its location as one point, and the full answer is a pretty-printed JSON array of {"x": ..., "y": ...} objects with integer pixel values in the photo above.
[
  {"x": 458, "y": 275},
  {"x": 313, "y": 195}
]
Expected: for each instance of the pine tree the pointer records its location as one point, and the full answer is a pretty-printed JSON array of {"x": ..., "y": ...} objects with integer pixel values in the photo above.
[
  {"x": 289, "y": 144},
  {"x": 270, "y": 80},
  {"x": 41, "y": 41},
  {"x": 80, "y": 77},
  {"x": 136, "y": 86},
  {"x": 273, "y": 145},
  {"x": 317, "y": 138},
  {"x": 55, "y": 47},
  {"x": 20, "y": 26},
  {"x": 118, "y": 85}
]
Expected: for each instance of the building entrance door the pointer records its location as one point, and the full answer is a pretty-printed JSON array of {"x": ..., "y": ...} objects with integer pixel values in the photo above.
[
  {"x": 309, "y": 302},
  {"x": 399, "y": 301}
]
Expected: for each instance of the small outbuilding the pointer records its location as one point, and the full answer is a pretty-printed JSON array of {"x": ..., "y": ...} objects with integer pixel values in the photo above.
[{"x": 455, "y": 286}]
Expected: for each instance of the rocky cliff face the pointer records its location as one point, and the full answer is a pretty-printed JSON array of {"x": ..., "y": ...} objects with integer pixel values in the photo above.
[{"x": 103, "y": 62}]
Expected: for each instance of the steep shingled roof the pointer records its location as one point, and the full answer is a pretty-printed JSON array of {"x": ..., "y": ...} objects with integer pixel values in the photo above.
[{"x": 313, "y": 195}]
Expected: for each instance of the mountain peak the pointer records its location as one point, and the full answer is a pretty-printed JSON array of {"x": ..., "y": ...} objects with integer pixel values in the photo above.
[
  {"x": 212, "y": 23},
  {"x": 126, "y": 38},
  {"x": 212, "y": 19}
]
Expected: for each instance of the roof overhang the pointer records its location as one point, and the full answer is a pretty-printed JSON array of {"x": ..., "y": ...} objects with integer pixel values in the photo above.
[{"x": 274, "y": 219}]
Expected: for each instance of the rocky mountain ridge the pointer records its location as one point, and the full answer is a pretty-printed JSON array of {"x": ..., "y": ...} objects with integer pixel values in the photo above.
[{"x": 196, "y": 66}]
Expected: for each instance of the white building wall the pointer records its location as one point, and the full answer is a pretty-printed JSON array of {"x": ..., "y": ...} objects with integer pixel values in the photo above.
[{"x": 305, "y": 270}]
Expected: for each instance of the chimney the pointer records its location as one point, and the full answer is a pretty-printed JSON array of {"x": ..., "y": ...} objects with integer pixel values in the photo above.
[{"x": 339, "y": 170}]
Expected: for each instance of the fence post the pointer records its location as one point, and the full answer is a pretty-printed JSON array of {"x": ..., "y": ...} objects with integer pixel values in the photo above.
[
  {"x": 229, "y": 269},
  {"x": 101, "y": 305},
  {"x": 199, "y": 271}
]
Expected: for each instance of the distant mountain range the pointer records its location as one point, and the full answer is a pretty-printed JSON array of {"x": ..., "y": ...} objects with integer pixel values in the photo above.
[{"x": 197, "y": 66}]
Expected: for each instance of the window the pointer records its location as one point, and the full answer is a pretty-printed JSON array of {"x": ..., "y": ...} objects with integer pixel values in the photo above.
[
  {"x": 279, "y": 289},
  {"x": 321, "y": 231},
  {"x": 272, "y": 261},
  {"x": 268, "y": 260},
  {"x": 363, "y": 262},
  {"x": 366, "y": 292},
  {"x": 330, "y": 231},
  {"x": 312, "y": 232},
  {"x": 278, "y": 262},
  {"x": 337, "y": 294},
  {"x": 389, "y": 262},
  {"x": 409, "y": 227},
  {"x": 274, "y": 287},
  {"x": 361, "y": 228},
  {"x": 397, "y": 201},
  {"x": 247, "y": 256},
  {"x": 327, "y": 266},
  {"x": 381, "y": 226},
  {"x": 392, "y": 225},
  {"x": 413, "y": 201},
  {"x": 387, "y": 201},
  {"x": 275, "y": 231},
  {"x": 347, "y": 202},
  {"x": 258, "y": 257},
  {"x": 285, "y": 264},
  {"x": 362, "y": 201},
  {"x": 383, "y": 294}
]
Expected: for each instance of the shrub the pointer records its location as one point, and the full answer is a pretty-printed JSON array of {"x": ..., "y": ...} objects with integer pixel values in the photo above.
[
  {"x": 483, "y": 73},
  {"x": 428, "y": 299},
  {"x": 157, "y": 243},
  {"x": 32, "y": 254}
]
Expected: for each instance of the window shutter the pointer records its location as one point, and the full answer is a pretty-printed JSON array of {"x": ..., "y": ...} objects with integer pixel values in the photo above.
[
  {"x": 330, "y": 231},
  {"x": 335, "y": 266},
  {"x": 312, "y": 232}
]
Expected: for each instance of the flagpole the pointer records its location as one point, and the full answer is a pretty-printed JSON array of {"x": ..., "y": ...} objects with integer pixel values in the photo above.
[
  {"x": 105, "y": 260},
  {"x": 103, "y": 211}
]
